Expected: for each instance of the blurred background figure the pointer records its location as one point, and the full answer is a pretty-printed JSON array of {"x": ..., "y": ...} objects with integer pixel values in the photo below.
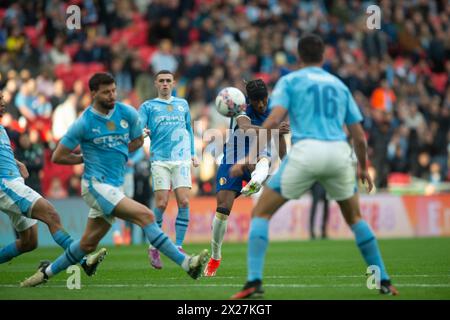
[
  {"x": 31, "y": 153},
  {"x": 318, "y": 195}
]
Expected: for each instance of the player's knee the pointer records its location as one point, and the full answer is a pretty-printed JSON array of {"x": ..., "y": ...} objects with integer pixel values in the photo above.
[
  {"x": 222, "y": 213},
  {"x": 256, "y": 212},
  {"x": 145, "y": 216},
  {"x": 47, "y": 213},
  {"x": 161, "y": 204},
  {"x": 353, "y": 219},
  {"x": 183, "y": 203},
  {"x": 52, "y": 214}
]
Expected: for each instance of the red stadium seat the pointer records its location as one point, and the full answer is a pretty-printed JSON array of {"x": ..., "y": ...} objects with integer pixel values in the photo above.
[
  {"x": 72, "y": 49},
  {"x": 262, "y": 75},
  {"x": 95, "y": 67},
  {"x": 399, "y": 179},
  {"x": 33, "y": 34}
]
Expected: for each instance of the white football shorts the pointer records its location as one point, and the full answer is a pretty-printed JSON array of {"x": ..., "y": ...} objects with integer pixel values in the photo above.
[
  {"x": 17, "y": 201},
  {"x": 102, "y": 198},
  {"x": 331, "y": 163},
  {"x": 167, "y": 174}
]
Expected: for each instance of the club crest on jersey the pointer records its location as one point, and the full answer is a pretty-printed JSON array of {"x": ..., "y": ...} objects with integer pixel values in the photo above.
[
  {"x": 111, "y": 125},
  {"x": 124, "y": 123},
  {"x": 222, "y": 181},
  {"x": 180, "y": 108},
  {"x": 170, "y": 108}
]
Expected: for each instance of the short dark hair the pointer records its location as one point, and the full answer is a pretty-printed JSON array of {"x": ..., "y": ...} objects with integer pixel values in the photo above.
[
  {"x": 100, "y": 78},
  {"x": 163, "y": 72},
  {"x": 311, "y": 48},
  {"x": 256, "y": 89}
]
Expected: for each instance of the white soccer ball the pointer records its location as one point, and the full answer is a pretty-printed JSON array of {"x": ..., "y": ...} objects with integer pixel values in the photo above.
[{"x": 230, "y": 101}]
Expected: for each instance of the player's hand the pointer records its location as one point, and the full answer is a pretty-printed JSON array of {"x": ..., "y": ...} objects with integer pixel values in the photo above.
[
  {"x": 195, "y": 162},
  {"x": 237, "y": 170},
  {"x": 366, "y": 179},
  {"x": 146, "y": 133},
  {"x": 284, "y": 128},
  {"x": 23, "y": 170}
]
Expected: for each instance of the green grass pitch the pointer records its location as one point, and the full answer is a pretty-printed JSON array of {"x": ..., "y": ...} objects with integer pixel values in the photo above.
[{"x": 321, "y": 269}]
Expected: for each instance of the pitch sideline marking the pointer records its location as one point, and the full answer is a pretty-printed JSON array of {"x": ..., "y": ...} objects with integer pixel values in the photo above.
[{"x": 150, "y": 285}]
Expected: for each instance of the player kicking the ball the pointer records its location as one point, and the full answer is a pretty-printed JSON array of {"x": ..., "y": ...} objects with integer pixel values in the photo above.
[
  {"x": 229, "y": 188},
  {"x": 319, "y": 105}
]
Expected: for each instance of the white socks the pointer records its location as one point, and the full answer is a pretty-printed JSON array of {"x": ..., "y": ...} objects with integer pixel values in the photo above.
[
  {"x": 185, "y": 263},
  {"x": 219, "y": 227},
  {"x": 261, "y": 171}
]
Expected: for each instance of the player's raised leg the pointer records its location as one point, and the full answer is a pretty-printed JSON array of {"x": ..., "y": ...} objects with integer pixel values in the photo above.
[
  {"x": 259, "y": 175},
  {"x": 139, "y": 214},
  {"x": 28, "y": 240}
]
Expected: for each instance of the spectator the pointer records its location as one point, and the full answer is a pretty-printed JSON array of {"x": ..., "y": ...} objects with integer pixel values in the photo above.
[
  {"x": 164, "y": 58},
  {"x": 32, "y": 155}
]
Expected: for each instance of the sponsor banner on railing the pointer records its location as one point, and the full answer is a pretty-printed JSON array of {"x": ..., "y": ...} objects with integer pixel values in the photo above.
[{"x": 390, "y": 216}]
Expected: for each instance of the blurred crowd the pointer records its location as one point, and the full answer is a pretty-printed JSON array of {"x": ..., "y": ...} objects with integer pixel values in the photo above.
[{"x": 399, "y": 74}]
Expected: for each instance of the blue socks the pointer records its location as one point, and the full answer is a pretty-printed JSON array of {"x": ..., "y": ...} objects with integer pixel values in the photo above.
[
  {"x": 367, "y": 244},
  {"x": 9, "y": 252},
  {"x": 181, "y": 225},
  {"x": 258, "y": 240},
  {"x": 158, "y": 216},
  {"x": 62, "y": 238},
  {"x": 161, "y": 241},
  {"x": 71, "y": 256}
]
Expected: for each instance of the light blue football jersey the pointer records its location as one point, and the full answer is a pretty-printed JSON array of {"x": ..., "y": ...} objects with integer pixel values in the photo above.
[
  {"x": 318, "y": 103},
  {"x": 8, "y": 166},
  {"x": 104, "y": 141},
  {"x": 171, "y": 134}
]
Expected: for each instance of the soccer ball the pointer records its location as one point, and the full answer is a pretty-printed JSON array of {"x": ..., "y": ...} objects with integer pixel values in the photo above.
[{"x": 230, "y": 101}]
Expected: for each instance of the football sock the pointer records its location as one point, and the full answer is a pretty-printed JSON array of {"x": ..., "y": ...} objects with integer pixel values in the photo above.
[
  {"x": 181, "y": 225},
  {"x": 261, "y": 171},
  {"x": 219, "y": 227},
  {"x": 71, "y": 256},
  {"x": 159, "y": 216},
  {"x": 9, "y": 252},
  {"x": 62, "y": 238},
  {"x": 161, "y": 241},
  {"x": 258, "y": 240},
  {"x": 367, "y": 244}
]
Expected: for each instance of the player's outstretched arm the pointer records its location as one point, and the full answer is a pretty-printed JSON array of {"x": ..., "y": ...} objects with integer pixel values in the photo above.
[
  {"x": 245, "y": 124},
  {"x": 64, "y": 155},
  {"x": 136, "y": 144},
  {"x": 360, "y": 145},
  {"x": 282, "y": 148}
]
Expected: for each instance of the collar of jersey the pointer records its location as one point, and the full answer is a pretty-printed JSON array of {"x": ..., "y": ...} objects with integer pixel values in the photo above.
[
  {"x": 105, "y": 116},
  {"x": 165, "y": 101},
  {"x": 313, "y": 68}
]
